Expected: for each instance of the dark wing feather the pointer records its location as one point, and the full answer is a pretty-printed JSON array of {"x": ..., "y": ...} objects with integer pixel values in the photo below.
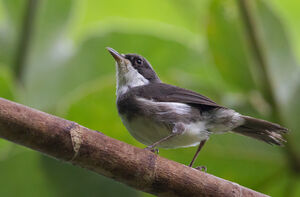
[{"x": 167, "y": 93}]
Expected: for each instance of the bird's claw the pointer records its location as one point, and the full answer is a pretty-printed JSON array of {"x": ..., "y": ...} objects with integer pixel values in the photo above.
[
  {"x": 201, "y": 168},
  {"x": 152, "y": 149}
]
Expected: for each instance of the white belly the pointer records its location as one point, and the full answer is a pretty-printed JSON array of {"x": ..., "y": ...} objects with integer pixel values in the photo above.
[{"x": 149, "y": 132}]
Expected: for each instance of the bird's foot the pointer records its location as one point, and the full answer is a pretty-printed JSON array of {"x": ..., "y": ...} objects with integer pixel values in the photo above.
[
  {"x": 201, "y": 168},
  {"x": 152, "y": 149}
]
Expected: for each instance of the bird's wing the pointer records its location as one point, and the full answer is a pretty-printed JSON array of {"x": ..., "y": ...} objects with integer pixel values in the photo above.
[{"x": 168, "y": 93}]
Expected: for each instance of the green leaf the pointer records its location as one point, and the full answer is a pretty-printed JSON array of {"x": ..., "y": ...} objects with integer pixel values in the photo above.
[
  {"x": 228, "y": 46},
  {"x": 282, "y": 66},
  {"x": 50, "y": 27},
  {"x": 14, "y": 10},
  {"x": 292, "y": 112},
  {"x": 68, "y": 180},
  {"x": 92, "y": 61},
  {"x": 169, "y": 13},
  {"x": 282, "y": 184},
  {"x": 37, "y": 175},
  {"x": 93, "y": 105},
  {"x": 49, "y": 47},
  {"x": 12, "y": 13},
  {"x": 21, "y": 168},
  {"x": 7, "y": 89},
  {"x": 2, "y": 17},
  {"x": 56, "y": 66},
  {"x": 288, "y": 13}
]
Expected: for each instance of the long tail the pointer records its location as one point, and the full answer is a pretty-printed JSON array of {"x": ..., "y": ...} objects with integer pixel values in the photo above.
[{"x": 262, "y": 130}]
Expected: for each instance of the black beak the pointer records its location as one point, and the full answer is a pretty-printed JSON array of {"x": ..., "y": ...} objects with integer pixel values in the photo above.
[{"x": 117, "y": 56}]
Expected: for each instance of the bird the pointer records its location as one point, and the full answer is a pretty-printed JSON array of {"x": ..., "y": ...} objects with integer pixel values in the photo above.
[{"x": 161, "y": 115}]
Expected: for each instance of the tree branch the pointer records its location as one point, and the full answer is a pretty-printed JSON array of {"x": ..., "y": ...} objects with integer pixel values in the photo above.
[{"x": 141, "y": 169}]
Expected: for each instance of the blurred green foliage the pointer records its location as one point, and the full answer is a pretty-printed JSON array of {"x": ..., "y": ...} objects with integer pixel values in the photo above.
[{"x": 199, "y": 45}]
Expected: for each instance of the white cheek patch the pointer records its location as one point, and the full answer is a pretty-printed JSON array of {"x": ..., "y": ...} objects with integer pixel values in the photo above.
[{"x": 128, "y": 77}]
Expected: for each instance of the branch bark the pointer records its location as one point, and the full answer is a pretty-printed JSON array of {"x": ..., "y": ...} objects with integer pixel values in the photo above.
[{"x": 143, "y": 170}]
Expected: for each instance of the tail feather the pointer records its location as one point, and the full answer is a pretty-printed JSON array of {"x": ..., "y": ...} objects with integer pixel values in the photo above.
[{"x": 262, "y": 130}]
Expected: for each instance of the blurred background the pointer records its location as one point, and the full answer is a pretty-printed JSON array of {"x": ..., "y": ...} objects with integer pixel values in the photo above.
[{"x": 243, "y": 54}]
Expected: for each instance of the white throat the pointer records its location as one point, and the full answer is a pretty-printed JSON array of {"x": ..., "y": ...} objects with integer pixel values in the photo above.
[{"x": 128, "y": 77}]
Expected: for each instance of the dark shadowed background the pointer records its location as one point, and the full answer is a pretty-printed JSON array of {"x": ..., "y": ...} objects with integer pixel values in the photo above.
[{"x": 53, "y": 58}]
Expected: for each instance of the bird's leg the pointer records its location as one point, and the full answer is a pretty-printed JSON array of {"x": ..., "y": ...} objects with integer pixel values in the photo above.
[
  {"x": 177, "y": 130},
  {"x": 201, "y": 168},
  {"x": 196, "y": 155},
  {"x": 153, "y": 150},
  {"x": 152, "y": 146}
]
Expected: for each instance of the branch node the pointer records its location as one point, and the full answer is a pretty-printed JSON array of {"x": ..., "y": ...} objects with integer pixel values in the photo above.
[
  {"x": 76, "y": 138},
  {"x": 239, "y": 188}
]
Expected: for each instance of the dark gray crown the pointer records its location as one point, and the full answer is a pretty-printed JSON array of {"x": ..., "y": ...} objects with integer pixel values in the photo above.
[{"x": 143, "y": 67}]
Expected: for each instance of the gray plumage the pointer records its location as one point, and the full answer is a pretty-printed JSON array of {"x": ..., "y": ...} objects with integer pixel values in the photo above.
[
  {"x": 217, "y": 118},
  {"x": 262, "y": 130},
  {"x": 163, "y": 115}
]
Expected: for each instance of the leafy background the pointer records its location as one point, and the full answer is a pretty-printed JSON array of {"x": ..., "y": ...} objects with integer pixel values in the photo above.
[{"x": 64, "y": 69}]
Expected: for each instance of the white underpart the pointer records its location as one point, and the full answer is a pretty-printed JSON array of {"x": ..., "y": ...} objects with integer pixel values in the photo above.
[
  {"x": 128, "y": 77},
  {"x": 225, "y": 120},
  {"x": 147, "y": 131}
]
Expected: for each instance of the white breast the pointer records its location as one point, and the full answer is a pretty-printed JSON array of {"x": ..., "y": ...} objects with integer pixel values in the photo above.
[
  {"x": 128, "y": 77},
  {"x": 149, "y": 130}
]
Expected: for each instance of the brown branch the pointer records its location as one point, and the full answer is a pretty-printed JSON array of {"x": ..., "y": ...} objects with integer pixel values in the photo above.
[
  {"x": 262, "y": 61},
  {"x": 141, "y": 169}
]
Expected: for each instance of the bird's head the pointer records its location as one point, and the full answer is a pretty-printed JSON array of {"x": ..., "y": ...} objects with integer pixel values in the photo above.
[{"x": 132, "y": 70}]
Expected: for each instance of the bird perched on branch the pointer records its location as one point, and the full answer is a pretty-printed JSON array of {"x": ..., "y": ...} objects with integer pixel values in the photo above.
[{"x": 166, "y": 116}]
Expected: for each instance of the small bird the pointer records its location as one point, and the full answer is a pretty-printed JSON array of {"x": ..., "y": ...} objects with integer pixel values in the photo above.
[{"x": 162, "y": 115}]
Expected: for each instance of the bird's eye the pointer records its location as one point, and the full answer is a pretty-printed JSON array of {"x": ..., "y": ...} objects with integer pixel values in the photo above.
[{"x": 138, "y": 61}]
